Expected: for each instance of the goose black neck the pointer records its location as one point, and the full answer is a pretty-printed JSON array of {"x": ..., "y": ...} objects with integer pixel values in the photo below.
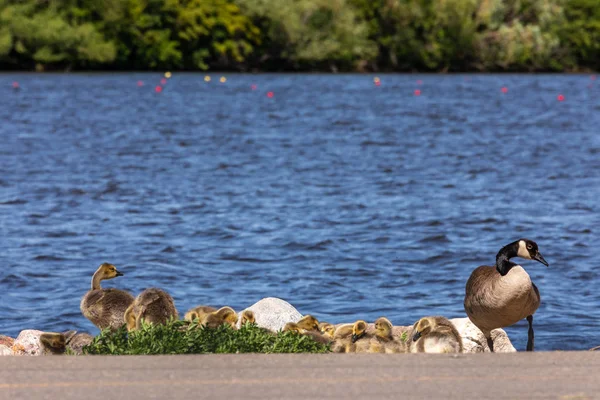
[{"x": 503, "y": 263}]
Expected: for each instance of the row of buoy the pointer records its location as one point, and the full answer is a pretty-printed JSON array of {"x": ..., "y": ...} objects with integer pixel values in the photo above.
[{"x": 270, "y": 94}]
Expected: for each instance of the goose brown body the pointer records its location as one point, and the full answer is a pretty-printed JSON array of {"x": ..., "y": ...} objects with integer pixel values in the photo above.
[
  {"x": 501, "y": 295},
  {"x": 105, "y": 308},
  {"x": 498, "y": 301},
  {"x": 154, "y": 306}
]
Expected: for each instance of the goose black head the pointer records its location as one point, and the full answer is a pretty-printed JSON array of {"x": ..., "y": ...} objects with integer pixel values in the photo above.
[{"x": 528, "y": 249}]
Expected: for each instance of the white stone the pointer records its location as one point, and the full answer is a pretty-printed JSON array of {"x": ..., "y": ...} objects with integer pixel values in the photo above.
[
  {"x": 5, "y": 350},
  {"x": 272, "y": 313},
  {"x": 28, "y": 343},
  {"x": 475, "y": 342}
]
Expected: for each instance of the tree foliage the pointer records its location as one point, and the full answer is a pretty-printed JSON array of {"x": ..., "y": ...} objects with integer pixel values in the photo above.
[{"x": 272, "y": 35}]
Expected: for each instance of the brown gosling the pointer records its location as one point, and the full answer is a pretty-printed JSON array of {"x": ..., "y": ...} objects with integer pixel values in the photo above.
[
  {"x": 384, "y": 341},
  {"x": 327, "y": 329},
  {"x": 77, "y": 341},
  {"x": 198, "y": 313},
  {"x": 153, "y": 306},
  {"x": 502, "y": 295},
  {"x": 360, "y": 338},
  {"x": 53, "y": 343},
  {"x": 105, "y": 307},
  {"x": 308, "y": 323},
  {"x": 224, "y": 315},
  {"x": 315, "y": 335},
  {"x": 342, "y": 339},
  {"x": 435, "y": 335},
  {"x": 247, "y": 317},
  {"x": 58, "y": 343}
]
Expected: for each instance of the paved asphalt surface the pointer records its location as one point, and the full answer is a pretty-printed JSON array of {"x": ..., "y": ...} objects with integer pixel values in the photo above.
[{"x": 555, "y": 375}]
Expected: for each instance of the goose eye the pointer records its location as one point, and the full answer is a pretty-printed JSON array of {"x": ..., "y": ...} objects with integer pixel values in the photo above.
[{"x": 529, "y": 247}]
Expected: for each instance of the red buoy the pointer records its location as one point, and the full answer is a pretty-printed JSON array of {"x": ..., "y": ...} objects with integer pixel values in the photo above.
[
  {"x": 140, "y": 83},
  {"x": 504, "y": 89},
  {"x": 253, "y": 87},
  {"x": 158, "y": 89},
  {"x": 417, "y": 92},
  {"x": 270, "y": 95},
  {"x": 15, "y": 85},
  {"x": 560, "y": 97},
  {"x": 163, "y": 81},
  {"x": 419, "y": 82}
]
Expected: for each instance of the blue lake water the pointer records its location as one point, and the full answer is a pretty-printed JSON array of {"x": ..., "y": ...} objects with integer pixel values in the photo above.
[{"x": 346, "y": 199}]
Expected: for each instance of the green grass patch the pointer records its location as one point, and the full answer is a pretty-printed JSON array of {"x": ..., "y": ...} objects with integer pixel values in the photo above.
[{"x": 177, "y": 337}]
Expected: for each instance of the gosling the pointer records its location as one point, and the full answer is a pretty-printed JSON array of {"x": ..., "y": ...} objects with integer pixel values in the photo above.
[
  {"x": 342, "y": 339},
  {"x": 211, "y": 317},
  {"x": 153, "y": 306},
  {"x": 300, "y": 327},
  {"x": 502, "y": 295},
  {"x": 384, "y": 340},
  {"x": 360, "y": 338},
  {"x": 247, "y": 317},
  {"x": 327, "y": 329},
  {"x": 435, "y": 335},
  {"x": 105, "y": 308}
]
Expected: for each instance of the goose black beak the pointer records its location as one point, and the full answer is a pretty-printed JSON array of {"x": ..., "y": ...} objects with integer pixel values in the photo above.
[
  {"x": 119, "y": 273},
  {"x": 416, "y": 336},
  {"x": 538, "y": 257}
]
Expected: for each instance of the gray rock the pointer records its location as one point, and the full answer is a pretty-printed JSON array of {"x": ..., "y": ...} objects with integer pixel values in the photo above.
[
  {"x": 5, "y": 350},
  {"x": 28, "y": 343},
  {"x": 475, "y": 342},
  {"x": 272, "y": 313}
]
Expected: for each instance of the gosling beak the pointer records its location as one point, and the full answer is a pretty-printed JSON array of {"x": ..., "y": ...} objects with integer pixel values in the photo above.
[
  {"x": 416, "y": 336},
  {"x": 355, "y": 338},
  {"x": 538, "y": 257},
  {"x": 119, "y": 273}
]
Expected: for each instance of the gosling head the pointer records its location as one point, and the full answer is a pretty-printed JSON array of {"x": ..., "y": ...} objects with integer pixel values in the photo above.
[
  {"x": 309, "y": 323},
  {"x": 383, "y": 328},
  {"x": 248, "y": 317},
  {"x": 528, "y": 249},
  {"x": 358, "y": 330},
  {"x": 109, "y": 271},
  {"x": 327, "y": 329},
  {"x": 53, "y": 342},
  {"x": 422, "y": 328},
  {"x": 228, "y": 315}
]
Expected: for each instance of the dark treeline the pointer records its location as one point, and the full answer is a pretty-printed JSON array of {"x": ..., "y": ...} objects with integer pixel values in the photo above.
[{"x": 301, "y": 35}]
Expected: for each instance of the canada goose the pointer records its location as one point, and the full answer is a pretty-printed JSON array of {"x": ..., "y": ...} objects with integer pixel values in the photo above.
[
  {"x": 247, "y": 317},
  {"x": 500, "y": 296},
  {"x": 384, "y": 338},
  {"x": 105, "y": 307},
  {"x": 154, "y": 306},
  {"x": 342, "y": 339},
  {"x": 435, "y": 335}
]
